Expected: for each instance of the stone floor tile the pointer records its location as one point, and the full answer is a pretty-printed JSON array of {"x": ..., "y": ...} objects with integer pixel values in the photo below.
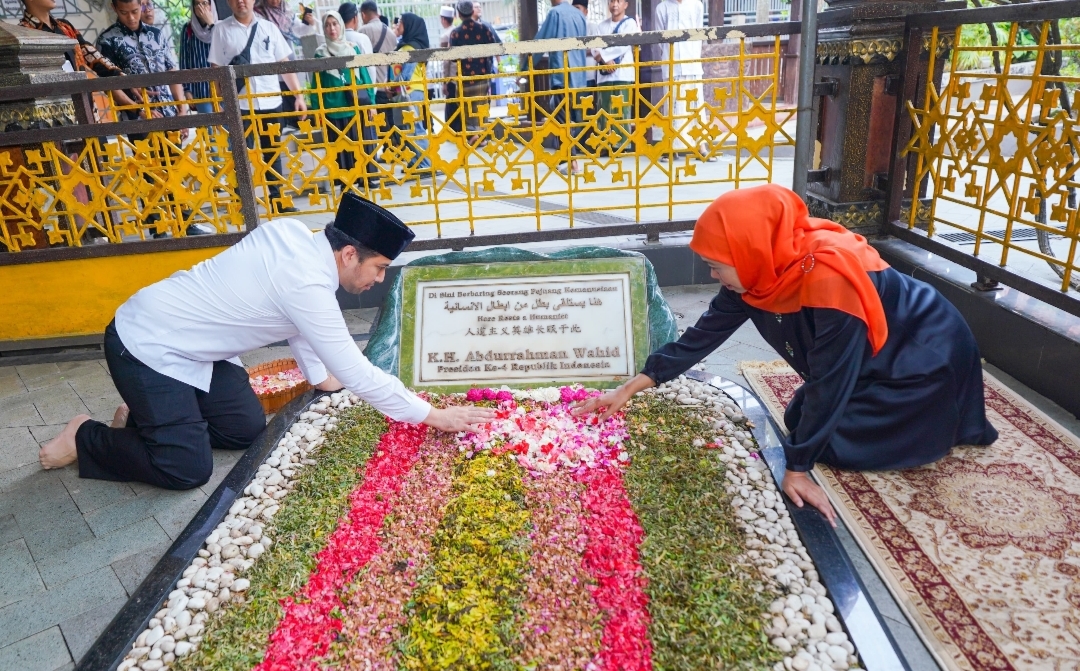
[
  {"x": 144, "y": 505},
  {"x": 224, "y": 460},
  {"x": 141, "y": 488},
  {"x": 38, "y": 501},
  {"x": 43, "y": 434},
  {"x": 19, "y": 578},
  {"x": 86, "y": 557},
  {"x": 58, "y": 403},
  {"x": 36, "y": 371},
  {"x": 30, "y": 616},
  {"x": 9, "y": 529},
  {"x": 17, "y": 448},
  {"x": 65, "y": 530},
  {"x": 98, "y": 392},
  {"x": 19, "y": 410},
  {"x": 11, "y": 385},
  {"x": 133, "y": 570},
  {"x": 44, "y": 651},
  {"x": 81, "y": 631},
  {"x": 264, "y": 354},
  {"x": 19, "y": 477},
  {"x": 91, "y": 494},
  {"x": 177, "y": 513},
  {"x": 75, "y": 369},
  {"x": 359, "y": 320}
]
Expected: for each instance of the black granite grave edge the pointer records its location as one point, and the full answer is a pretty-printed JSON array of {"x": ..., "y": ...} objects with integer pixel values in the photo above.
[
  {"x": 110, "y": 648},
  {"x": 835, "y": 569}
]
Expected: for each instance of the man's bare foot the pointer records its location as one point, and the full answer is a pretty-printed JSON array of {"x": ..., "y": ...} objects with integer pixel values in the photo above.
[
  {"x": 120, "y": 417},
  {"x": 60, "y": 451}
]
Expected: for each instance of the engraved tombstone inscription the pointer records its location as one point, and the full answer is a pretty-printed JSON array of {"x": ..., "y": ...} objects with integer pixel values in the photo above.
[{"x": 523, "y": 324}]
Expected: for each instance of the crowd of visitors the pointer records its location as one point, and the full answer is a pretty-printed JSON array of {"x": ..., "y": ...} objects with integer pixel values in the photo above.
[{"x": 354, "y": 100}]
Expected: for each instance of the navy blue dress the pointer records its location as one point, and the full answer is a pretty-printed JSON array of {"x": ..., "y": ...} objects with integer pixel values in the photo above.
[{"x": 909, "y": 405}]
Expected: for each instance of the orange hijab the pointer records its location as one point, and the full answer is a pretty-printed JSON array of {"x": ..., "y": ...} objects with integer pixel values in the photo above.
[{"x": 788, "y": 260}]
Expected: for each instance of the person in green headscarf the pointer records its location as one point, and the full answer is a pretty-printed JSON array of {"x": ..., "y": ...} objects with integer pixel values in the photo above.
[{"x": 343, "y": 95}]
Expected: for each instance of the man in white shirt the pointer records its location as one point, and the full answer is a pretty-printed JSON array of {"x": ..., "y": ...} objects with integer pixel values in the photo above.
[
  {"x": 351, "y": 16},
  {"x": 681, "y": 63},
  {"x": 172, "y": 349},
  {"x": 616, "y": 75},
  {"x": 268, "y": 45}
]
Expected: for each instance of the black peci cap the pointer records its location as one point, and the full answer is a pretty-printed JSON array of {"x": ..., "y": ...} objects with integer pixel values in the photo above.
[{"x": 372, "y": 226}]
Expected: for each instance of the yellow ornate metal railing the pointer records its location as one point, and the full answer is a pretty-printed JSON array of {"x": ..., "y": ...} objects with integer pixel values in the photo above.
[
  {"x": 453, "y": 155},
  {"x": 654, "y": 148},
  {"x": 995, "y": 145}
]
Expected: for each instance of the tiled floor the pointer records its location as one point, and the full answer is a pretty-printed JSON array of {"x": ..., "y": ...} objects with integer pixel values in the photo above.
[{"x": 72, "y": 550}]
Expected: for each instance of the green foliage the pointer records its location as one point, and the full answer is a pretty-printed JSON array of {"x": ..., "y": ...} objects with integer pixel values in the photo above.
[
  {"x": 178, "y": 13},
  {"x": 236, "y": 636},
  {"x": 706, "y": 602}
]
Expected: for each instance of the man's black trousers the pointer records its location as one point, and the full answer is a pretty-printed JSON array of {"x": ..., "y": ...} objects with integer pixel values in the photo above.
[{"x": 172, "y": 426}]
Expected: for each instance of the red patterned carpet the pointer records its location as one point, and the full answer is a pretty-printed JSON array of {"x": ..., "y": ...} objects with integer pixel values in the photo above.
[{"x": 981, "y": 549}]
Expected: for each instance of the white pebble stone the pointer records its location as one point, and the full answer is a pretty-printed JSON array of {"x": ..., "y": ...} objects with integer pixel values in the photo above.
[
  {"x": 196, "y": 603},
  {"x": 782, "y": 644},
  {"x": 255, "y": 550},
  {"x": 155, "y": 635},
  {"x": 182, "y": 648},
  {"x": 139, "y": 652},
  {"x": 229, "y": 551},
  {"x": 167, "y": 644},
  {"x": 152, "y": 665},
  {"x": 156, "y": 653},
  {"x": 837, "y": 654},
  {"x": 241, "y": 585}
]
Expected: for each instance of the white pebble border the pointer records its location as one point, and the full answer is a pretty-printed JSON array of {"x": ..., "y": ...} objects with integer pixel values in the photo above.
[
  {"x": 802, "y": 624},
  {"x": 214, "y": 577}
]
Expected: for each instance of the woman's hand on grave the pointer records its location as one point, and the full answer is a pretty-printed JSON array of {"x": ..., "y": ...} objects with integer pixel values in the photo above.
[
  {"x": 799, "y": 488},
  {"x": 614, "y": 400},
  {"x": 459, "y": 418}
]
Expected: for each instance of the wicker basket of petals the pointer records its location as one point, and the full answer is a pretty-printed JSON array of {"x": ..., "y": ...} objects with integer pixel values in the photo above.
[{"x": 277, "y": 382}]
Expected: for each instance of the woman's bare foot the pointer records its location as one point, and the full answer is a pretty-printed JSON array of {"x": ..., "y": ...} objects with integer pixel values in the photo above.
[
  {"x": 120, "y": 417},
  {"x": 60, "y": 451}
]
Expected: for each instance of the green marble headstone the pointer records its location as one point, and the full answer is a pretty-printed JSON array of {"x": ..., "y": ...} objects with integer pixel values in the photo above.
[{"x": 509, "y": 316}]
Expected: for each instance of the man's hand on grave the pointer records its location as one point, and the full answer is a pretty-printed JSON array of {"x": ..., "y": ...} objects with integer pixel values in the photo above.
[
  {"x": 459, "y": 418},
  {"x": 329, "y": 384}
]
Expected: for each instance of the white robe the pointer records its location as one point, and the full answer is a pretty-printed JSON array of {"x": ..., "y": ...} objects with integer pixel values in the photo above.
[{"x": 685, "y": 15}]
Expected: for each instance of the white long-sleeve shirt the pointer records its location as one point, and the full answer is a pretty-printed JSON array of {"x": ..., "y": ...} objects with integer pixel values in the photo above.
[
  {"x": 684, "y": 15},
  {"x": 625, "y": 71},
  {"x": 278, "y": 283}
]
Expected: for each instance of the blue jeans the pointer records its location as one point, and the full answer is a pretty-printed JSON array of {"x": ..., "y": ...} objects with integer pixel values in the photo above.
[
  {"x": 204, "y": 108},
  {"x": 418, "y": 143}
]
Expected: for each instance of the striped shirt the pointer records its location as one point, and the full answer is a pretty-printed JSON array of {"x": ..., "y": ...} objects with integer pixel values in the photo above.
[{"x": 193, "y": 55}]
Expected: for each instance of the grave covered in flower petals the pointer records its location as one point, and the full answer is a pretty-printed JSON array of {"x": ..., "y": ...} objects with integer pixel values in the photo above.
[{"x": 546, "y": 540}]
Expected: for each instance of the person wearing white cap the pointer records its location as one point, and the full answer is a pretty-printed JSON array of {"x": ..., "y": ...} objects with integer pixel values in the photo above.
[
  {"x": 446, "y": 69},
  {"x": 172, "y": 349}
]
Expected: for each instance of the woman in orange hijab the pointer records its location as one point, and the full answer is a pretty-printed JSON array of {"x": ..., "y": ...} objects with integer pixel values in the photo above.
[{"x": 892, "y": 372}]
